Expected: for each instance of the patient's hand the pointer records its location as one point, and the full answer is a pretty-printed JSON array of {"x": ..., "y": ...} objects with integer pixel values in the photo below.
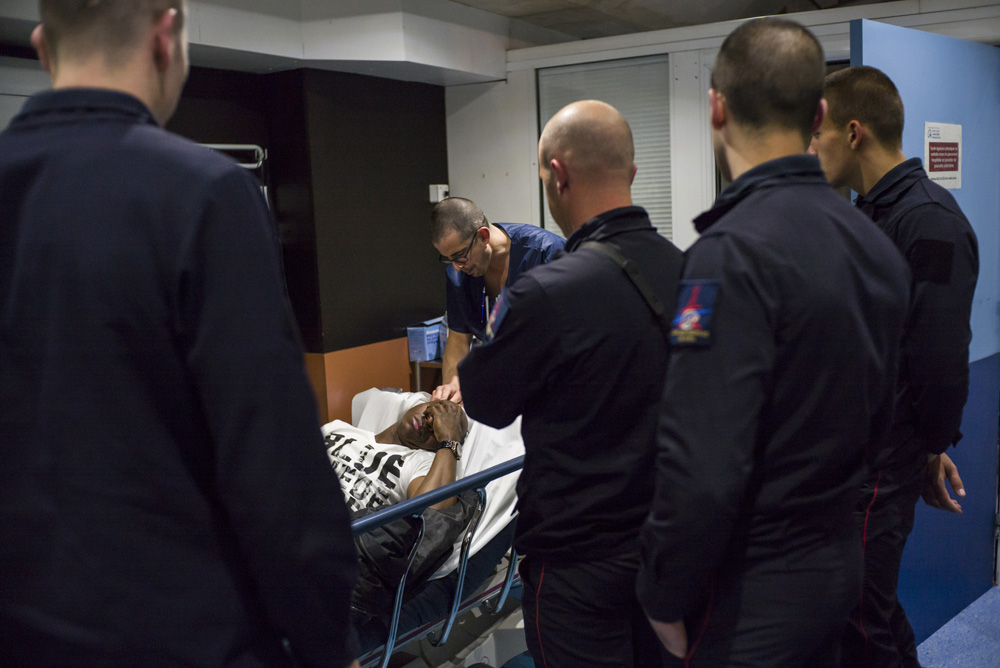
[
  {"x": 449, "y": 391},
  {"x": 447, "y": 419}
]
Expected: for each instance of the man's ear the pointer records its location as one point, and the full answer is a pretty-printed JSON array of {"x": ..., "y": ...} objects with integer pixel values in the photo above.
[
  {"x": 820, "y": 114},
  {"x": 718, "y": 112},
  {"x": 559, "y": 174},
  {"x": 632, "y": 178},
  {"x": 856, "y": 132},
  {"x": 38, "y": 41},
  {"x": 165, "y": 40}
]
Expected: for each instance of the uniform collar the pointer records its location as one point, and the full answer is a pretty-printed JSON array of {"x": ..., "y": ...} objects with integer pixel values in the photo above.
[
  {"x": 789, "y": 170},
  {"x": 896, "y": 180},
  {"x": 60, "y": 103},
  {"x": 609, "y": 223}
]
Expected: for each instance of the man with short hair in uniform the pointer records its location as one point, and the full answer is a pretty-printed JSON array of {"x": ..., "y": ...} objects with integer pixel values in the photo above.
[
  {"x": 580, "y": 351},
  {"x": 784, "y": 349},
  {"x": 165, "y": 499},
  {"x": 859, "y": 145},
  {"x": 482, "y": 258}
]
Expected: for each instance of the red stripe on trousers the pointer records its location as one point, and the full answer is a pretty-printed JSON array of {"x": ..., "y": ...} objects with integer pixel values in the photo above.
[
  {"x": 538, "y": 600},
  {"x": 864, "y": 544},
  {"x": 704, "y": 627}
]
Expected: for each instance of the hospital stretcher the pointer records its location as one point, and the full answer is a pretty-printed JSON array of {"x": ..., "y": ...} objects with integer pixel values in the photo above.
[{"x": 490, "y": 462}]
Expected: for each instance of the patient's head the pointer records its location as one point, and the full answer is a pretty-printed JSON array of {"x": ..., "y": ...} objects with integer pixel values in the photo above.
[{"x": 424, "y": 426}]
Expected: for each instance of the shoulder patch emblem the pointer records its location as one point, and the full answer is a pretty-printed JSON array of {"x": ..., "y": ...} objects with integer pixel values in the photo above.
[
  {"x": 497, "y": 315},
  {"x": 692, "y": 324}
]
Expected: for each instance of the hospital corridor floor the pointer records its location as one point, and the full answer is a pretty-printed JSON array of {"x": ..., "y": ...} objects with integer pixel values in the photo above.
[{"x": 969, "y": 640}]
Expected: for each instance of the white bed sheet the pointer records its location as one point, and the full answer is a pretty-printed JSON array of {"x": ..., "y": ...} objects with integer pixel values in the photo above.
[{"x": 375, "y": 409}]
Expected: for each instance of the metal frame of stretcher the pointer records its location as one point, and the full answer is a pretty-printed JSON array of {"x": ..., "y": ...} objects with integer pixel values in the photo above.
[{"x": 414, "y": 508}]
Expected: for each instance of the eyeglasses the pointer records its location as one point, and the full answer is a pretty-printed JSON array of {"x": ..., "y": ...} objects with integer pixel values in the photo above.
[{"x": 460, "y": 260}]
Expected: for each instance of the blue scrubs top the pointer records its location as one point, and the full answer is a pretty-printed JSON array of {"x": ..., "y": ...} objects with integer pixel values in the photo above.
[{"x": 468, "y": 307}]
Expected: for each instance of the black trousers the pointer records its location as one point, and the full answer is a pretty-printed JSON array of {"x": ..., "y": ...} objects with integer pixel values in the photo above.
[
  {"x": 786, "y": 612},
  {"x": 879, "y": 635},
  {"x": 586, "y": 614}
]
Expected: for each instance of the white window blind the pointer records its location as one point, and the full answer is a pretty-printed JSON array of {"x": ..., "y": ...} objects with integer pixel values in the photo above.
[{"x": 640, "y": 89}]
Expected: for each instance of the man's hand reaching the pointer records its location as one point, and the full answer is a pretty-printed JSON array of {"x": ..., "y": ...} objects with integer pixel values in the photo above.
[
  {"x": 449, "y": 391},
  {"x": 939, "y": 468}
]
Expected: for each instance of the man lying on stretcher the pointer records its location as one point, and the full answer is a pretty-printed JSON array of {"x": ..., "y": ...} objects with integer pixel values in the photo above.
[{"x": 411, "y": 457}]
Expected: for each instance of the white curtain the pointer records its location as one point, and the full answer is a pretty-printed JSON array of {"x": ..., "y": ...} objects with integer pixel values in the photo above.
[{"x": 640, "y": 89}]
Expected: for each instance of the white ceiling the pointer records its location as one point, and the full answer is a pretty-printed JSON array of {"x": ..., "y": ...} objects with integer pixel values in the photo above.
[
  {"x": 441, "y": 42},
  {"x": 588, "y": 19},
  {"x": 583, "y": 19}
]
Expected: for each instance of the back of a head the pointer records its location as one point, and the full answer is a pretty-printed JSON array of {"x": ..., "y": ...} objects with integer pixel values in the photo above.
[
  {"x": 593, "y": 138},
  {"x": 110, "y": 28},
  {"x": 867, "y": 95},
  {"x": 456, "y": 213},
  {"x": 771, "y": 74}
]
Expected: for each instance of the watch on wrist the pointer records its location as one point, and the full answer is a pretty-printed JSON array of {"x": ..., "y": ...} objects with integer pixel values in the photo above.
[{"x": 454, "y": 446}]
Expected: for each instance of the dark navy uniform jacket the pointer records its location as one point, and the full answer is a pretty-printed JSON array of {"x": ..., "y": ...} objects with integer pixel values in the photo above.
[
  {"x": 780, "y": 382},
  {"x": 580, "y": 355},
  {"x": 468, "y": 309},
  {"x": 932, "y": 233},
  {"x": 165, "y": 495}
]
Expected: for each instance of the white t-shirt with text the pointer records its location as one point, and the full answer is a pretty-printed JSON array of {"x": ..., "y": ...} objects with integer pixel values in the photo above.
[{"x": 372, "y": 475}]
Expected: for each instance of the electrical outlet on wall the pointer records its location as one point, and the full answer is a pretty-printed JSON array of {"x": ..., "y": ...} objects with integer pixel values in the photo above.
[{"x": 439, "y": 191}]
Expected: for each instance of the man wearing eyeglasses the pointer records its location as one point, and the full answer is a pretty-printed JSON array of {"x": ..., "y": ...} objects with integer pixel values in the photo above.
[{"x": 482, "y": 258}]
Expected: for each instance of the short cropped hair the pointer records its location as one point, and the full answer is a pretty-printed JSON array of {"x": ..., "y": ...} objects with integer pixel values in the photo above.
[
  {"x": 110, "y": 27},
  {"x": 771, "y": 74},
  {"x": 867, "y": 95},
  {"x": 456, "y": 213}
]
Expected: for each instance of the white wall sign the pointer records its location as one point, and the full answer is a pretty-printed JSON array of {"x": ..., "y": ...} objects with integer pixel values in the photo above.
[{"x": 943, "y": 154}]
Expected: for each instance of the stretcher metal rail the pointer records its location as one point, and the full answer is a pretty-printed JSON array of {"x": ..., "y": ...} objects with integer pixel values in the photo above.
[{"x": 414, "y": 508}]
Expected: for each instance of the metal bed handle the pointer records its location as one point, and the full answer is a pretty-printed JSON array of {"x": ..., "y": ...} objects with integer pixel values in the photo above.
[
  {"x": 398, "y": 605},
  {"x": 494, "y": 605},
  {"x": 463, "y": 563},
  {"x": 414, "y": 508},
  {"x": 259, "y": 154}
]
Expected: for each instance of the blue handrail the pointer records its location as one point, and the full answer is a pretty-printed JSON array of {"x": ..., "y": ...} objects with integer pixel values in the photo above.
[{"x": 417, "y": 505}]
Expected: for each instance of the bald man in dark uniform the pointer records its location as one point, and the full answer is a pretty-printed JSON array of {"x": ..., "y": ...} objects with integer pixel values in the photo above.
[{"x": 579, "y": 350}]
